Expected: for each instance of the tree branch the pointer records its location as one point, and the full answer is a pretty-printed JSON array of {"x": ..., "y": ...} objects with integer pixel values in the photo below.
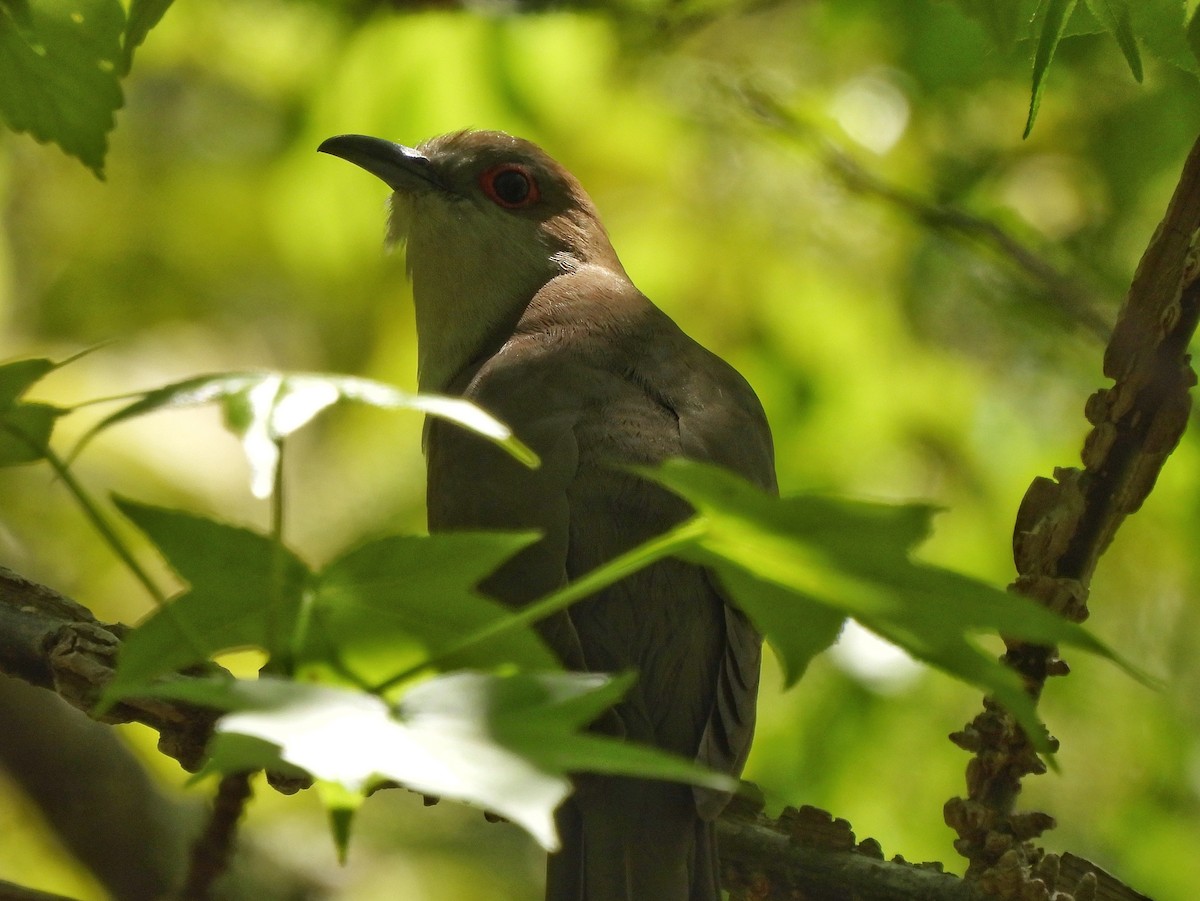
[{"x": 1064, "y": 525}]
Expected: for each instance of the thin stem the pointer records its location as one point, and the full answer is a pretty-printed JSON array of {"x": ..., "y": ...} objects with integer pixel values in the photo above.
[
  {"x": 92, "y": 511},
  {"x": 275, "y": 619},
  {"x": 616, "y": 569}
]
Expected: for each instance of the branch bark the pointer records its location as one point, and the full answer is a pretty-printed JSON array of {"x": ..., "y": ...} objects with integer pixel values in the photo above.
[
  {"x": 1065, "y": 524},
  {"x": 92, "y": 790}
]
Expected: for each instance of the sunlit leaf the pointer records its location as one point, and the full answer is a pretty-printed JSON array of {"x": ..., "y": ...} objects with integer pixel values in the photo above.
[
  {"x": 1053, "y": 26},
  {"x": 58, "y": 72},
  {"x": 854, "y": 558},
  {"x": 263, "y": 407},
  {"x": 265, "y": 412},
  {"x": 341, "y": 803},
  {"x": 244, "y": 591},
  {"x": 502, "y": 743}
]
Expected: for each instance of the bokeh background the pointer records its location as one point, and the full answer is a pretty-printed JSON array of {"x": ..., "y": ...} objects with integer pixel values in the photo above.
[{"x": 841, "y": 250}]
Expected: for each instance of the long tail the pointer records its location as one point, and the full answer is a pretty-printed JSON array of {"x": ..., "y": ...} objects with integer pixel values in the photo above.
[{"x": 632, "y": 840}]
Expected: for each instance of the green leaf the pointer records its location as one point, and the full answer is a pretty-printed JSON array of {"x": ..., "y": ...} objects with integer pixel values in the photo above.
[
  {"x": 58, "y": 73},
  {"x": 245, "y": 591},
  {"x": 1165, "y": 29},
  {"x": 1193, "y": 33},
  {"x": 1114, "y": 16},
  {"x": 853, "y": 558},
  {"x": 1055, "y": 23},
  {"x": 398, "y": 601},
  {"x": 1005, "y": 21},
  {"x": 341, "y": 804},
  {"x": 263, "y": 407},
  {"x": 25, "y": 428},
  {"x": 143, "y": 15},
  {"x": 18, "y": 376},
  {"x": 800, "y": 628},
  {"x": 25, "y": 431},
  {"x": 504, "y": 743}
]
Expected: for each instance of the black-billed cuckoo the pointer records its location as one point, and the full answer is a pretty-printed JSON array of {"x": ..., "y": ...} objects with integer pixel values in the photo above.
[{"x": 523, "y": 307}]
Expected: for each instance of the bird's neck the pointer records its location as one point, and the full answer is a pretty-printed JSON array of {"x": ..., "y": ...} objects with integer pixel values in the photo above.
[
  {"x": 464, "y": 307},
  {"x": 449, "y": 340},
  {"x": 470, "y": 295}
]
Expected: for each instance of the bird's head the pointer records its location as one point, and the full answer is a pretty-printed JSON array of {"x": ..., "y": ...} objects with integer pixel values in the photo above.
[{"x": 488, "y": 220}]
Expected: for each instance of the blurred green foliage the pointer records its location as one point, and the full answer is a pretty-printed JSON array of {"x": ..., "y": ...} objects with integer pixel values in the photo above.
[{"x": 896, "y": 357}]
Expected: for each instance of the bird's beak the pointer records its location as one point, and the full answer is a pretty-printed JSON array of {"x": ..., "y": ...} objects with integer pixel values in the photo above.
[{"x": 400, "y": 167}]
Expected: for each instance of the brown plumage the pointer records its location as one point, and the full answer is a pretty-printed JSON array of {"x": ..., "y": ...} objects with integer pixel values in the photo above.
[{"x": 524, "y": 308}]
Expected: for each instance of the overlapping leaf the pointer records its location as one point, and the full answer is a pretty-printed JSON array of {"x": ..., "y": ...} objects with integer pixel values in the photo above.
[
  {"x": 383, "y": 608},
  {"x": 853, "y": 558},
  {"x": 25, "y": 427},
  {"x": 1166, "y": 28},
  {"x": 401, "y": 600},
  {"x": 1115, "y": 16},
  {"x": 243, "y": 591},
  {"x": 263, "y": 407},
  {"x": 504, "y": 743}
]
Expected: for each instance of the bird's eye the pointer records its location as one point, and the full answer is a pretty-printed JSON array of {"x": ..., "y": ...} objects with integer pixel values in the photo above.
[{"x": 510, "y": 185}]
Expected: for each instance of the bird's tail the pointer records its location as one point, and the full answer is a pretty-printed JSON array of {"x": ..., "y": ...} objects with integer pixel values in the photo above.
[{"x": 632, "y": 840}]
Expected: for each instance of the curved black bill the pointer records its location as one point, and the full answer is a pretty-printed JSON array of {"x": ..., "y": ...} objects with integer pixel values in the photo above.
[{"x": 401, "y": 168}]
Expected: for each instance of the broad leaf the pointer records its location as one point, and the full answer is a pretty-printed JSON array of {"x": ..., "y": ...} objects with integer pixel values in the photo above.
[
  {"x": 58, "y": 72},
  {"x": 398, "y": 601},
  {"x": 853, "y": 558},
  {"x": 245, "y": 591},
  {"x": 502, "y": 743},
  {"x": 262, "y": 408}
]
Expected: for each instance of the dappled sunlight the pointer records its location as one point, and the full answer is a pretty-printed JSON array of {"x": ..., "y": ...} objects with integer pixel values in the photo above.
[{"x": 834, "y": 248}]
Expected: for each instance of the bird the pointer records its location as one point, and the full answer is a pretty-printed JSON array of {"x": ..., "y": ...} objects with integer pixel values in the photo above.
[{"x": 523, "y": 307}]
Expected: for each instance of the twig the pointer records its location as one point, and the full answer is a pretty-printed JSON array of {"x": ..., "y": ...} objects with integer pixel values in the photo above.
[
  {"x": 214, "y": 848},
  {"x": 1061, "y": 288}
]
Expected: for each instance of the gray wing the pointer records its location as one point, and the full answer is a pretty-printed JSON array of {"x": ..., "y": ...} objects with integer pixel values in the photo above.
[{"x": 474, "y": 485}]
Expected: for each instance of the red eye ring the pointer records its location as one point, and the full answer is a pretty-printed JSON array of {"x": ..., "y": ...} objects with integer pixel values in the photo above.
[{"x": 510, "y": 185}]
